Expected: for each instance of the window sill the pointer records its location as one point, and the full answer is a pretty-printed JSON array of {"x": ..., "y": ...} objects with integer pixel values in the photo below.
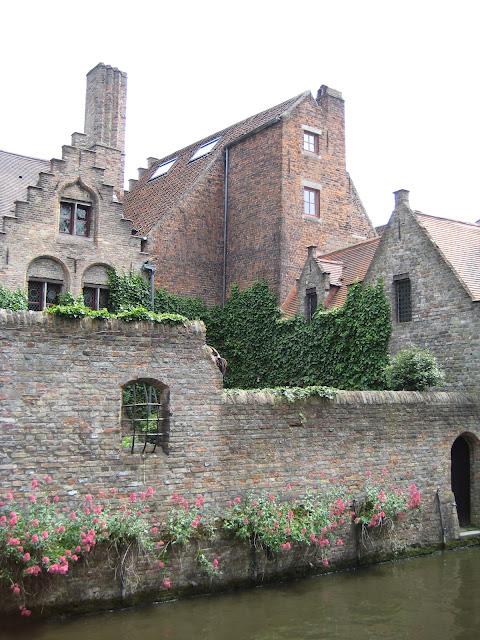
[
  {"x": 309, "y": 218},
  {"x": 67, "y": 238},
  {"x": 311, "y": 154}
]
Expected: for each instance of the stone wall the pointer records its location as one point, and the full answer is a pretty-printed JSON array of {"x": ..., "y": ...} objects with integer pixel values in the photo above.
[
  {"x": 60, "y": 391},
  {"x": 445, "y": 320}
]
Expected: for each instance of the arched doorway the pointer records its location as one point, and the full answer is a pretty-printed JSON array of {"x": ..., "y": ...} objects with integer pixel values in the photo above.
[{"x": 461, "y": 479}]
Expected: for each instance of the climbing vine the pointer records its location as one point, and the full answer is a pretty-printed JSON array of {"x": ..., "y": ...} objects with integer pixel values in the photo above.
[{"x": 13, "y": 300}]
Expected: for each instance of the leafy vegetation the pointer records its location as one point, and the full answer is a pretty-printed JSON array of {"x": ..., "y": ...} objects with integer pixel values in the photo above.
[
  {"x": 131, "y": 314},
  {"x": 413, "y": 370},
  {"x": 13, "y": 300},
  {"x": 288, "y": 394}
]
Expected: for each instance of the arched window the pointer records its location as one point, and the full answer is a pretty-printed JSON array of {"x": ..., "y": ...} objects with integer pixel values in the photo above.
[
  {"x": 46, "y": 280},
  {"x": 76, "y": 211},
  {"x": 95, "y": 287},
  {"x": 145, "y": 416}
]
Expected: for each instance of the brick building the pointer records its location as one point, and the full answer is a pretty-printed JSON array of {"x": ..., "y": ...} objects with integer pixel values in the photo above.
[
  {"x": 244, "y": 203},
  {"x": 61, "y": 221},
  {"x": 431, "y": 270}
]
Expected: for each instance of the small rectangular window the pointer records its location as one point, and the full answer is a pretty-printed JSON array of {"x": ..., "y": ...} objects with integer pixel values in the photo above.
[
  {"x": 403, "y": 299},
  {"x": 96, "y": 297},
  {"x": 311, "y": 303},
  {"x": 310, "y": 142},
  {"x": 311, "y": 201},
  {"x": 42, "y": 294},
  {"x": 205, "y": 148},
  {"x": 162, "y": 169},
  {"x": 75, "y": 218}
]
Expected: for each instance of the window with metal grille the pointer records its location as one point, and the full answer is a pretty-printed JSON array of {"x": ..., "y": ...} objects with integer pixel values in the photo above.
[
  {"x": 145, "y": 416},
  {"x": 310, "y": 142},
  {"x": 95, "y": 296},
  {"x": 75, "y": 218},
  {"x": 311, "y": 201},
  {"x": 311, "y": 303},
  {"x": 42, "y": 294},
  {"x": 403, "y": 298}
]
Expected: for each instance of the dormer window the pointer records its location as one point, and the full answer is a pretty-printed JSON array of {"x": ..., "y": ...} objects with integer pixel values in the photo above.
[
  {"x": 75, "y": 218},
  {"x": 205, "y": 148}
]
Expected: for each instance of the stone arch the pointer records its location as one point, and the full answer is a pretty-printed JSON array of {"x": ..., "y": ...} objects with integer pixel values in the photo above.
[
  {"x": 76, "y": 192},
  {"x": 145, "y": 421},
  {"x": 95, "y": 286},
  {"x": 47, "y": 277},
  {"x": 465, "y": 477}
]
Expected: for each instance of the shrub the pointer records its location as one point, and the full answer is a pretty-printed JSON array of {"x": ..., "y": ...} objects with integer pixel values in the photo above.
[
  {"x": 13, "y": 300},
  {"x": 413, "y": 370}
]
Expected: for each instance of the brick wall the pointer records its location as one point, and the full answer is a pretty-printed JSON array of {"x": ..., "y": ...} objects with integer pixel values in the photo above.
[
  {"x": 60, "y": 386},
  {"x": 444, "y": 318}
]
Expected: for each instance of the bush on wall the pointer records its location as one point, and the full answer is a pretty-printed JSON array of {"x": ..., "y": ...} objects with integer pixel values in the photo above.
[
  {"x": 13, "y": 300},
  {"x": 413, "y": 370}
]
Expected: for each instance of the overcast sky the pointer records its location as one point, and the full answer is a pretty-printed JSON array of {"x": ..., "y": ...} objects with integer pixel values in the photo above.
[{"x": 409, "y": 73}]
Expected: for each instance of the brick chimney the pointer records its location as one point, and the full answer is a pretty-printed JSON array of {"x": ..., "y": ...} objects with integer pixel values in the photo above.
[
  {"x": 332, "y": 104},
  {"x": 105, "y": 115}
]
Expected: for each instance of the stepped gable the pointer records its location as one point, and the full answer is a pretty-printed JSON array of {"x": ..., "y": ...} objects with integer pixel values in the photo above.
[
  {"x": 149, "y": 201},
  {"x": 17, "y": 173},
  {"x": 459, "y": 244}
]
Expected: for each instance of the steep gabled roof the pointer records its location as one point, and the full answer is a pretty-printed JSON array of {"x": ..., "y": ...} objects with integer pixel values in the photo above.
[
  {"x": 459, "y": 244},
  {"x": 345, "y": 266},
  {"x": 149, "y": 201},
  {"x": 16, "y": 174}
]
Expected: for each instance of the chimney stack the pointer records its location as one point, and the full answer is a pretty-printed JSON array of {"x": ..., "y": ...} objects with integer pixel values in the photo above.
[
  {"x": 332, "y": 105},
  {"x": 312, "y": 251},
  {"x": 105, "y": 107},
  {"x": 401, "y": 198}
]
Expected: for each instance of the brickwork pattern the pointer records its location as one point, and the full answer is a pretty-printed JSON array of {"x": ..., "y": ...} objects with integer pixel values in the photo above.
[
  {"x": 60, "y": 392},
  {"x": 444, "y": 318}
]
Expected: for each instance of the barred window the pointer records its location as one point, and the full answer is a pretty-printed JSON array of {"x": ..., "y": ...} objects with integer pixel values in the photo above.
[
  {"x": 311, "y": 303},
  {"x": 145, "y": 416},
  {"x": 403, "y": 298}
]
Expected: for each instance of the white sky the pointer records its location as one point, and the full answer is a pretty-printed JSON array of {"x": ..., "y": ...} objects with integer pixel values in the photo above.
[{"x": 409, "y": 72}]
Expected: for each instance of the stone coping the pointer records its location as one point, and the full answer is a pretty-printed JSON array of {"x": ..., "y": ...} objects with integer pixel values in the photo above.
[
  {"x": 262, "y": 396},
  {"x": 46, "y": 322}
]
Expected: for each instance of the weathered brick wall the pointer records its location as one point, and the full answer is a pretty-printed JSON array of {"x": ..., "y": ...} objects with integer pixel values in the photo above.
[
  {"x": 60, "y": 391},
  {"x": 444, "y": 318},
  {"x": 34, "y": 231}
]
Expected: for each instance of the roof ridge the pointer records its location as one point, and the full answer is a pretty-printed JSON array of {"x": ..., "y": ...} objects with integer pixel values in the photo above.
[
  {"x": 21, "y": 155},
  {"x": 429, "y": 215},
  {"x": 212, "y": 136}
]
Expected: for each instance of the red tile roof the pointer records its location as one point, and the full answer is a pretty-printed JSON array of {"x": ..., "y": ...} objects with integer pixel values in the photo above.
[
  {"x": 148, "y": 201},
  {"x": 459, "y": 244},
  {"x": 345, "y": 267}
]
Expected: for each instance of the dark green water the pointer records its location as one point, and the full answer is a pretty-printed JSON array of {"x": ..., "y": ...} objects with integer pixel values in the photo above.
[{"x": 431, "y": 598}]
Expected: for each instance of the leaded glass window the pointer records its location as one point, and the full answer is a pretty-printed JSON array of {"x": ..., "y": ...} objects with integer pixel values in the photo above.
[
  {"x": 42, "y": 294},
  {"x": 75, "y": 218},
  {"x": 95, "y": 296}
]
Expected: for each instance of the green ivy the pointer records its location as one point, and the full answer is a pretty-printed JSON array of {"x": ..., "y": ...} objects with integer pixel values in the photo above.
[
  {"x": 287, "y": 394},
  {"x": 13, "y": 300},
  {"x": 131, "y": 314}
]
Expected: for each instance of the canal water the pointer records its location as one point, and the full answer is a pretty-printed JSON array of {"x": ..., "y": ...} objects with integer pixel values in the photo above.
[{"x": 431, "y": 598}]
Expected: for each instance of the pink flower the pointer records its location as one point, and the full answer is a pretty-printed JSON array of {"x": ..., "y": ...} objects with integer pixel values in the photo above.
[
  {"x": 154, "y": 531},
  {"x": 34, "y": 570},
  {"x": 89, "y": 497},
  {"x": 78, "y": 548},
  {"x": 325, "y": 562},
  {"x": 215, "y": 563},
  {"x": 74, "y": 557},
  {"x": 286, "y": 546},
  {"x": 35, "y": 538},
  {"x": 340, "y": 542},
  {"x": 56, "y": 499},
  {"x": 161, "y": 564},
  {"x": 15, "y": 589},
  {"x": 199, "y": 501},
  {"x": 10, "y": 496},
  {"x": 237, "y": 500},
  {"x": 13, "y": 542},
  {"x": 25, "y": 612},
  {"x": 73, "y": 516},
  {"x": 289, "y": 486},
  {"x": 150, "y": 491},
  {"x": 132, "y": 497},
  {"x": 160, "y": 544},
  {"x": 48, "y": 479},
  {"x": 35, "y": 484},
  {"x": 44, "y": 535},
  {"x": 26, "y": 557},
  {"x": 166, "y": 583},
  {"x": 45, "y": 560},
  {"x": 35, "y": 522}
]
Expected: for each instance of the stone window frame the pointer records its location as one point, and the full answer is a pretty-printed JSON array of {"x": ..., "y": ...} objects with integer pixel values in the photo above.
[
  {"x": 307, "y": 130},
  {"x": 74, "y": 204},
  {"x": 315, "y": 188},
  {"x": 402, "y": 289}
]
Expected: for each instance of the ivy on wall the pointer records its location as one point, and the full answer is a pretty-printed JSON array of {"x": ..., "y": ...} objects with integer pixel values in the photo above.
[
  {"x": 13, "y": 300},
  {"x": 346, "y": 347}
]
